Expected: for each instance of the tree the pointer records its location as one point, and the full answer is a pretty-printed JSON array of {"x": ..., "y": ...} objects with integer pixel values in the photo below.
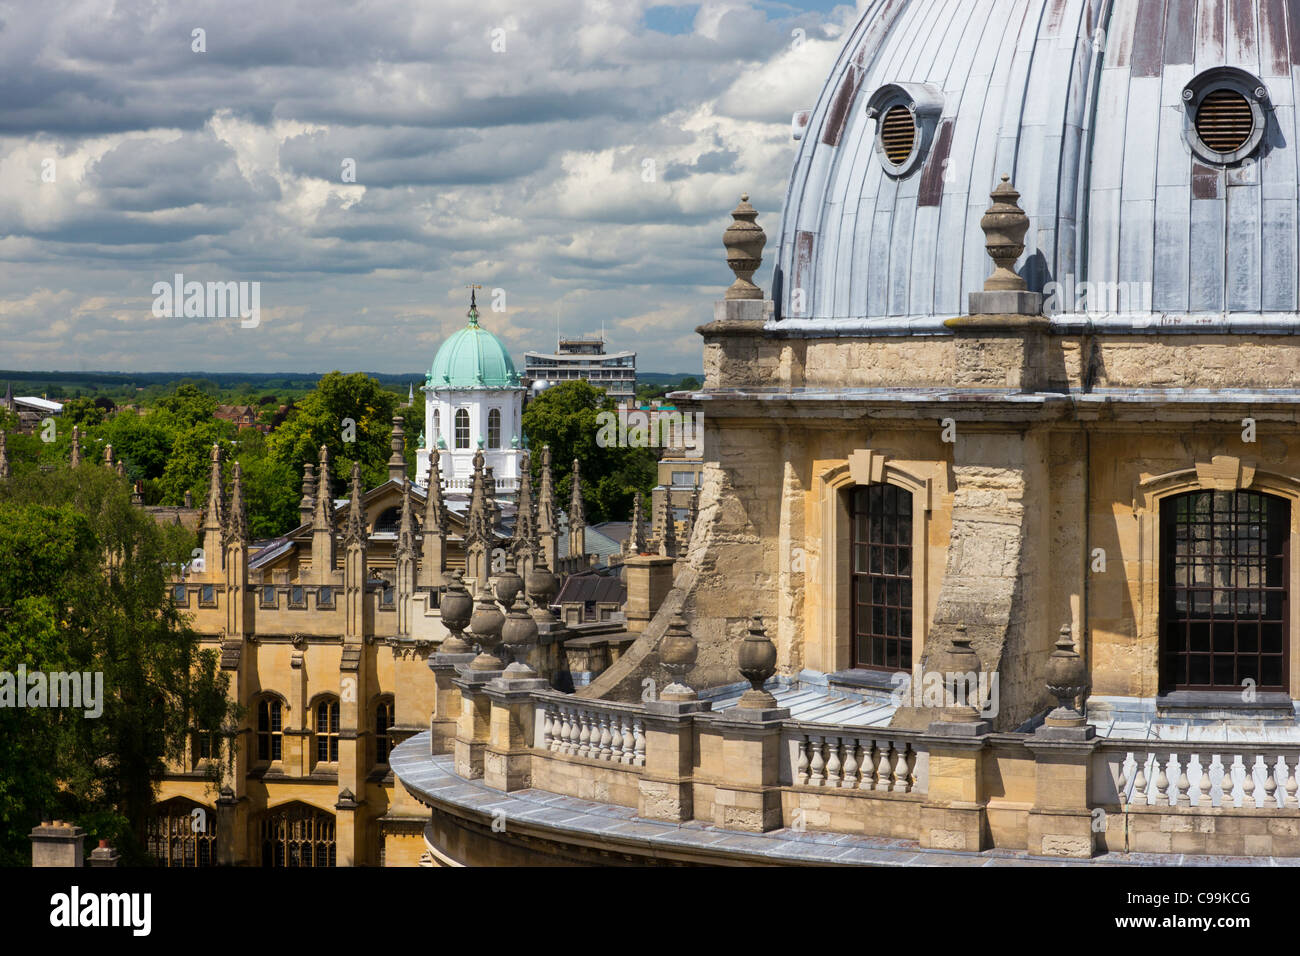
[
  {"x": 566, "y": 417},
  {"x": 84, "y": 589},
  {"x": 81, "y": 411},
  {"x": 349, "y": 414}
]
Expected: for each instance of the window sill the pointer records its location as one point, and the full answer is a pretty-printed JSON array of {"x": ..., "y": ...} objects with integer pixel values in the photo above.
[
  {"x": 1190, "y": 703},
  {"x": 867, "y": 679}
]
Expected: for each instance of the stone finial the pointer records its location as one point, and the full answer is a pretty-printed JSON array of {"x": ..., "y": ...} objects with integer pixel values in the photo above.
[
  {"x": 214, "y": 511},
  {"x": 961, "y": 659},
  {"x": 323, "y": 519},
  {"x": 237, "y": 523},
  {"x": 485, "y": 628},
  {"x": 120, "y": 468},
  {"x": 542, "y": 586},
  {"x": 397, "y": 443},
  {"x": 4, "y": 458},
  {"x": 1067, "y": 678},
  {"x": 518, "y": 636},
  {"x": 668, "y": 534},
  {"x": 307, "y": 502},
  {"x": 137, "y": 493},
  {"x": 435, "y": 511},
  {"x": 455, "y": 607},
  {"x": 524, "y": 542},
  {"x": 546, "y": 523},
  {"x": 355, "y": 530},
  {"x": 744, "y": 241},
  {"x": 108, "y": 456},
  {"x": 677, "y": 654},
  {"x": 406, "y": 525},
  {"x": 636, "y": 543},
  {"x": 478, "y": 529},
  {"x": 577, "y": 512},
  {"x": 75, "y": 460},
  {"x": 1005, "y": 225},
  {"x": 757, "y": 662}
]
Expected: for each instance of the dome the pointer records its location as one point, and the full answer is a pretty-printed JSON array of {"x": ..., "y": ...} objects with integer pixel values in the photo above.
[
  {"x": 473, "y": 358},
  {"x": 1153, "y": 145}
]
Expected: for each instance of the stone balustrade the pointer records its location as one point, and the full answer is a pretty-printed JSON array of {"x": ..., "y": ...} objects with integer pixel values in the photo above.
[
  {"x": 608, "y": 732},
  {"x": 1205, "y": 777},
  {"x": 854, "y": 761}
]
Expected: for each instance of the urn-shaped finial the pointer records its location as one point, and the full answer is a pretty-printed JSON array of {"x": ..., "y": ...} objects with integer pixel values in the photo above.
[
  {"x": 677, "y": 653},
  {"x": 1067, "y": 678},
  {"x": 518, "y": 635},
  {"x": 1005, "y": 225},
  {"x": 485, "y": 627},
  {"x": 757, "y": 660},
  {"x": 455, "y": 606},
  {"x": 744, "y": 240},
  {"x": 961, "y": 665}
]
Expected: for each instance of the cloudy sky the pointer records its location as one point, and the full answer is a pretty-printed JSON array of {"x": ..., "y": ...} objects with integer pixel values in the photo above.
[{"x": 494, "y": 142}]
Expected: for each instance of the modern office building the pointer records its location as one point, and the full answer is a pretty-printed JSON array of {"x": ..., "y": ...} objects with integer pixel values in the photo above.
[{"x": 615, "y": 372}]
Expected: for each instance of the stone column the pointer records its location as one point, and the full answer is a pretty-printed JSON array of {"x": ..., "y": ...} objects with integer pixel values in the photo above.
[
  {"x": 473, "y": 729},
  {"x": 104, "y": 856},
  {"x": 447, "y": 704}
]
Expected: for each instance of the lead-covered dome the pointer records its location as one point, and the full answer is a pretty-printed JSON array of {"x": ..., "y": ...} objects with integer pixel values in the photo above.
[
  {"x": 1153, "y": 143},
  {"x": 473, "y": 358}
]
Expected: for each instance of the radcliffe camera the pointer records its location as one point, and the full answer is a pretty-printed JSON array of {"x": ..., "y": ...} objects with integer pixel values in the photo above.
[{"x": 853, "y": 435}]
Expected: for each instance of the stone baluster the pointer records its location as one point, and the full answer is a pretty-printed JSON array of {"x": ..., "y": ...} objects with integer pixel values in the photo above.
[
  {"x": 801, "y": 766},
  {"x": 817, "y": 769},
  {"x": 629, "y": 741},
  {"x": 547, "y": 739},
  {"x": 1162, "y": 781},
  {"x": 1182, "y": 795},
  {"x": 1248, "y": 785},
  {"x": 584, "y": 734},
  {"x": 638, "y": 737},
  {"x": 1140, "y": 783},
  {"x": 1290, "y": 789},
  {"x": 1270, "y": 785},
  {"x": 868, "y": 765},
  {"x": 902, "y": 780},
  {"x": 1226, "y": 783},
  {"x": 1203, "y": 799},
  {"x": 850, "y": 781},
  {"x": 606, "y": 751},
  {"x": 884, "y": 765},
  {"x": 833, "y": 762},
  {"x": 1121, "y": 784}
]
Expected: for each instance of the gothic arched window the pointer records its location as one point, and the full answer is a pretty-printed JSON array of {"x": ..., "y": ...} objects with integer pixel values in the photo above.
[
  {"x": 437, "y": 428},
  {"x": 298, "y": 835},
  {"x": 270, "y": 729},
  {"x": 1223, "y": 591},
  {"x": 180, "y": 832},
  {"x": 383, "y": 725}
]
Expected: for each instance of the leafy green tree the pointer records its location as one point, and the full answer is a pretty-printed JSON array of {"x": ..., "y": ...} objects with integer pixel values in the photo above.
[
  {"x": 84, "y": 589},
  {"x": 186, "y": 406},
  {"x": 190, "y": 461},
  {"x": 342, "y": 406},
  {"x": 567, "y": 417},
  {"x": 81, "y": 411}
]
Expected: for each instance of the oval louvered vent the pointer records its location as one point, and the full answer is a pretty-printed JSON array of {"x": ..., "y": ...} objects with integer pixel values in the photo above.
[
  {"x": 1225, "y": 121},
  {"x": 898, "y": 134}
]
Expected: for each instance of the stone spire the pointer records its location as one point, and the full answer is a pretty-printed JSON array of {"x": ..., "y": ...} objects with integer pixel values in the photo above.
[
  {"x": 547, "y": 526},
  {"x": 744, "y": 240},
  {"x": 636, "y": 534},
  {"x": 323, "y": 545},
  {"x": 668, "y": 533},
  {"x": 523, "y": 543},
  {"x": 213, "y": 513},
  {"x": 355, "y": 530},
  {"x": 478, "y": 527},
  {"x": 4, "y": 458},
  {"x": 433, "y": 541},
  {"x": 237, "y": 524},
  {"x": 577, "y": 516},
  {"x": 490, "y": 493},
  {"x": 406, "y": 527},
  {"x": 397, "y": 460},
  {"x": 307, "y": 504},
  {"x": 76, "y": 446}
]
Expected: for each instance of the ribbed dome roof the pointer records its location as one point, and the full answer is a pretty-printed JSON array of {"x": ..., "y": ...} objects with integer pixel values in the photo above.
[
  {"x": 1126, "y": 125},
  {"x": 473, "y": 358}
]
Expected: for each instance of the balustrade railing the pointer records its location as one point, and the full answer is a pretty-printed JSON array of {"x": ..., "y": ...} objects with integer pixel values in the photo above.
[
  {"x": 609, "y": 732},
  {"x": 856, "y": 761},
  {"x": 1183, "y": 776}
]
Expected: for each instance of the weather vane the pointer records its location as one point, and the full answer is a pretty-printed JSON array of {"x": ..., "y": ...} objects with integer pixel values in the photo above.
[{"x": 473, "y": 292}]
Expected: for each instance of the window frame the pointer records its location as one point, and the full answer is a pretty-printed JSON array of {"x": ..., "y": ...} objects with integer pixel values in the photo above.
[
  {"x": 325, "y": 742},
  {"x": 494, "y": 428},
  {"x": 869, "y": 527},
  {"x": 461, "y": 420},
  {"x": 271, "y": 730}
]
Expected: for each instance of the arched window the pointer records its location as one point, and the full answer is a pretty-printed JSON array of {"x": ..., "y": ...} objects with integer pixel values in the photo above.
[
  {"x": 462, "y": 428},
  {"x": 298, "y": 835},
  {"x": 494, "y": 428},
  {"x": 270, "y": 729},
  {"x": 437, "y": 428},
  {"x": 1224, "y": 592},
  {"x": 327, "y": 730},
  {"x": 383, "y": 721},
  {"x": 881, "y": 573},
  {"x": 180, "y": 832}
]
